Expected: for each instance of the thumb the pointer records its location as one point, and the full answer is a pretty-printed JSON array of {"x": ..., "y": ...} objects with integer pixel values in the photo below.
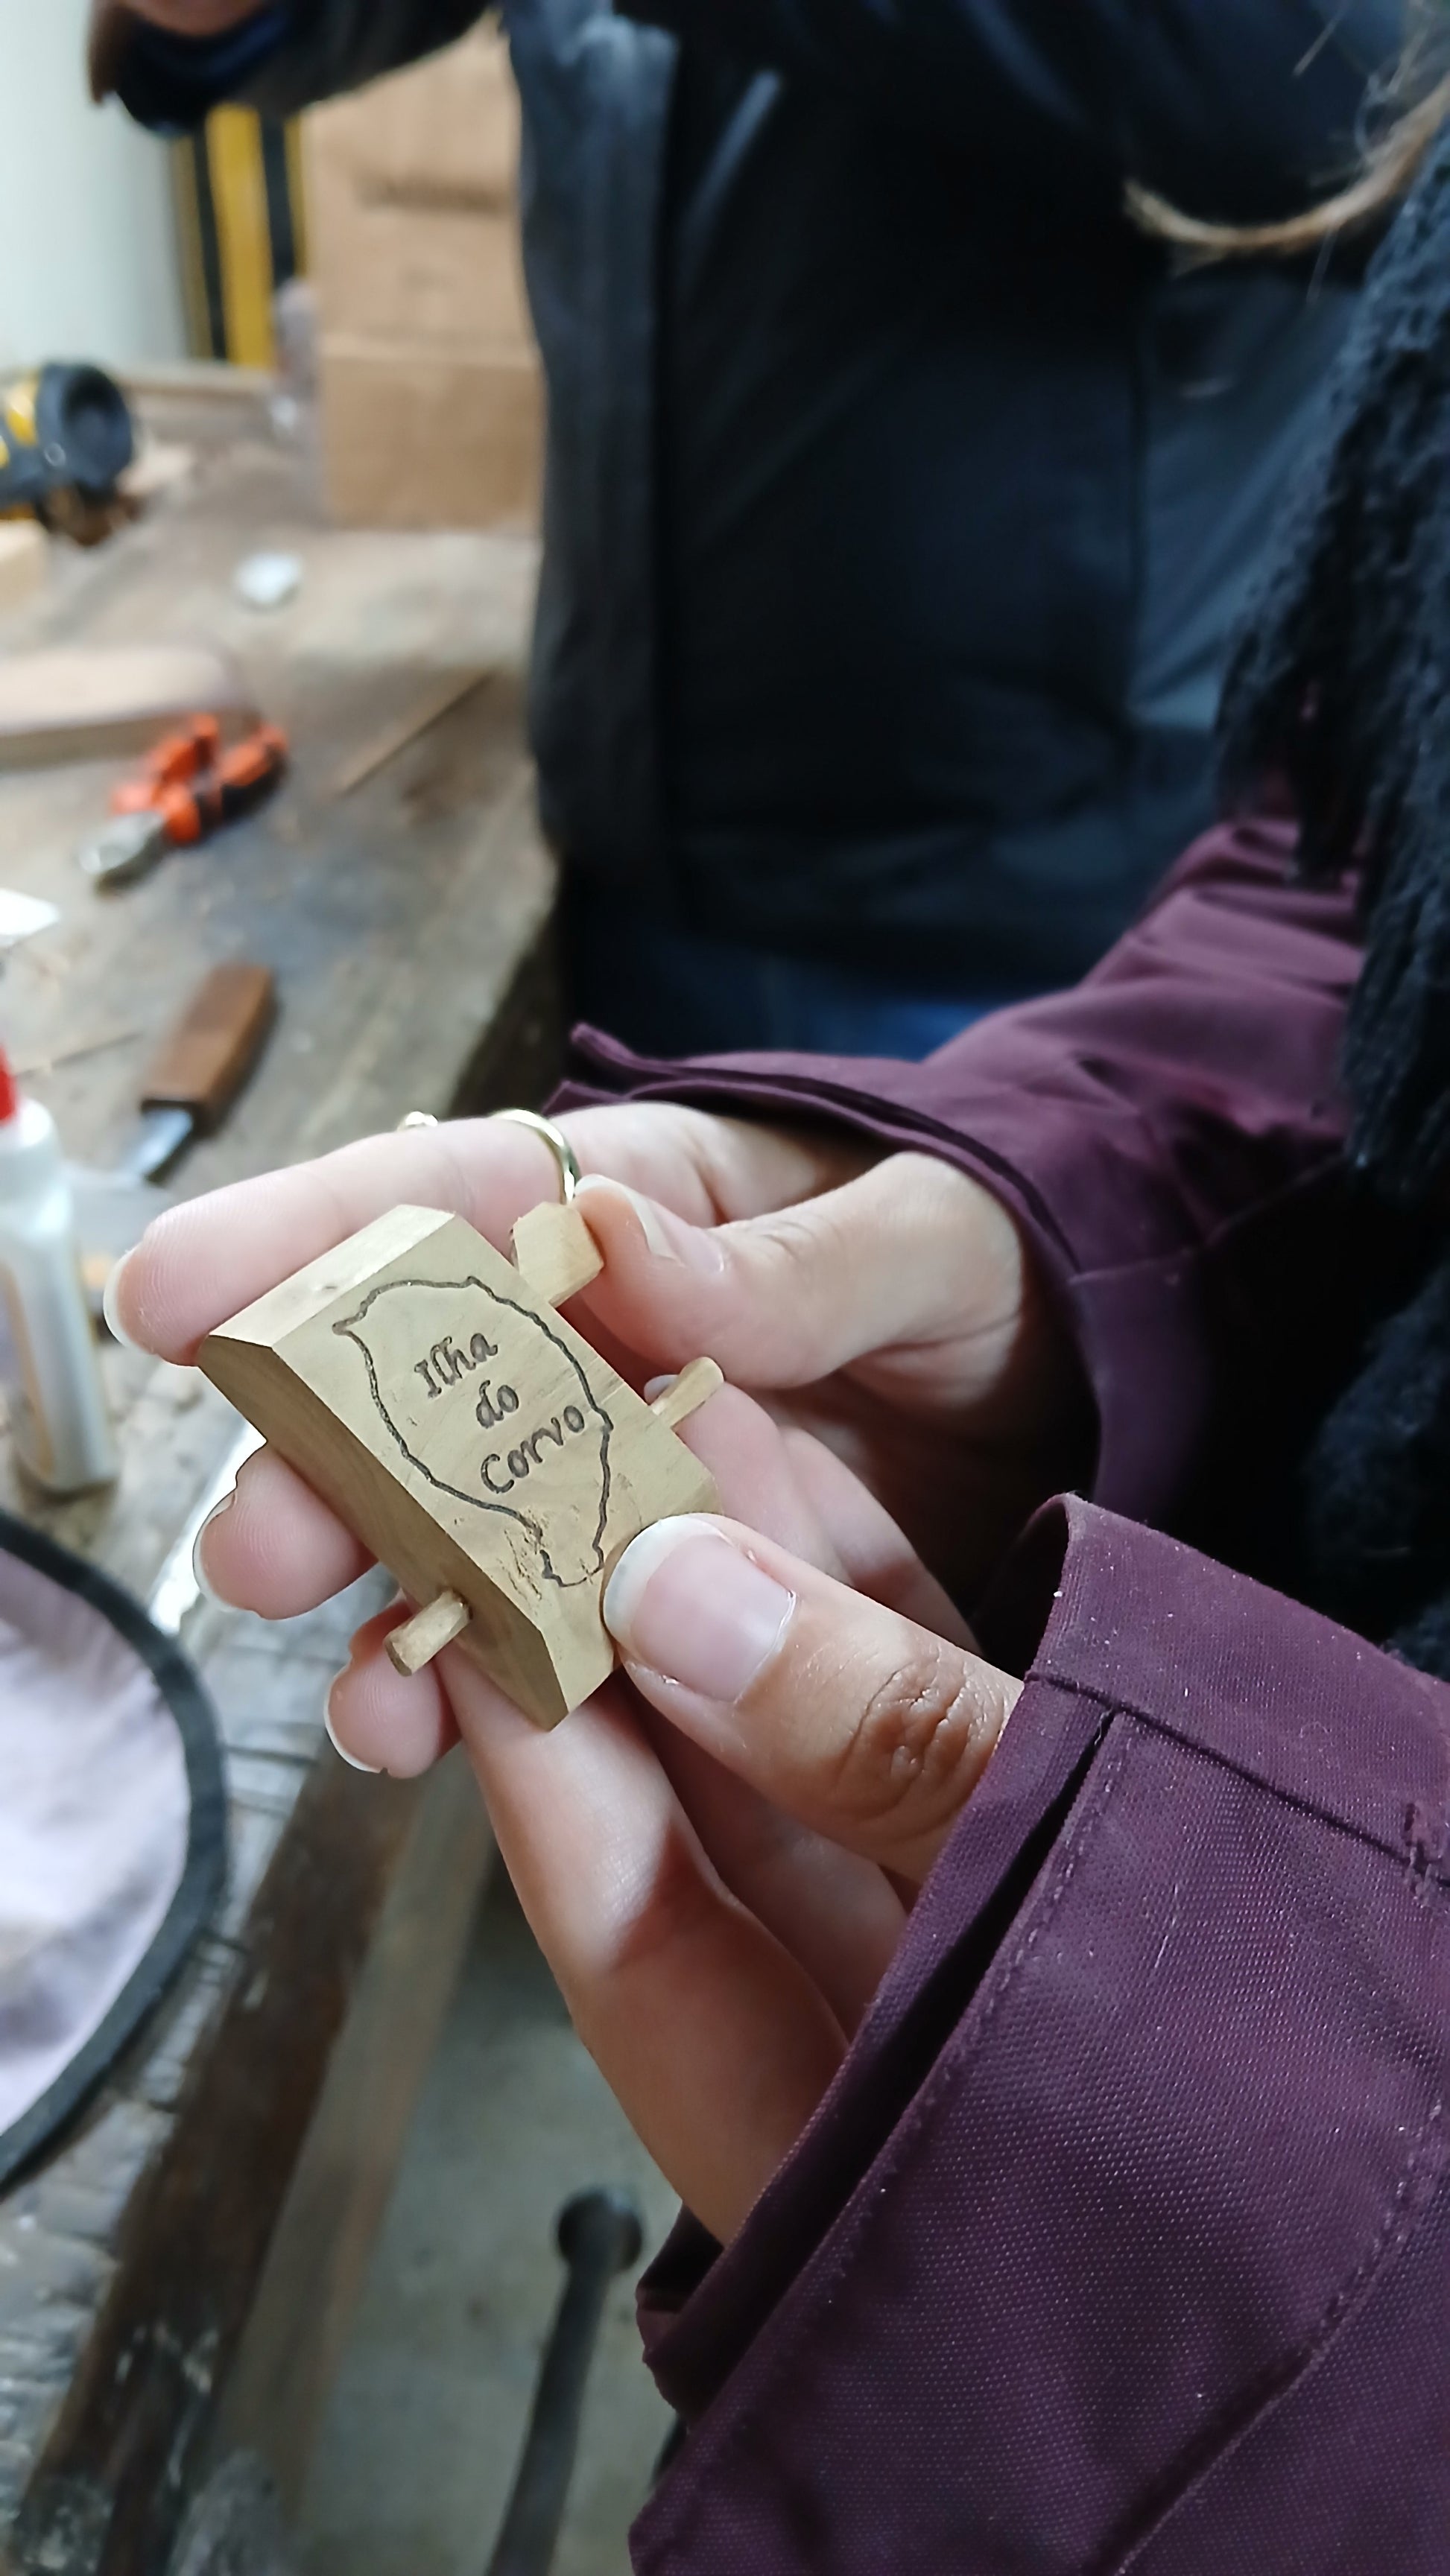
[
  {"x": 908, "y": 1252},
  {"x": 852, "y": 1719}
]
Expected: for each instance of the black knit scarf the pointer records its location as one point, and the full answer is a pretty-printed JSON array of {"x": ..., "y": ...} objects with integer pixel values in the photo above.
[{"x": 1341, "y": 677}]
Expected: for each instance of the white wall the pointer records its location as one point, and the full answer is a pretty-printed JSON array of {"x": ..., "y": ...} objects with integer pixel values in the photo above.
[{"x": 88, "y": 265}]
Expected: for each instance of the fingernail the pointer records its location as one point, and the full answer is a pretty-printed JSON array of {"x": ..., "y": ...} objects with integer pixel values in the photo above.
[
  {"x": 374, "y": 1769},
  {"x": 668, "y": 1236},
  {"x": 109, "y": 1310},
  {"x": 206, "y": 1589},
  {"x": 688, "y": 1604}
]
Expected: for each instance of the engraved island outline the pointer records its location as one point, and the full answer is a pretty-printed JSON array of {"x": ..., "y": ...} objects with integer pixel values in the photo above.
[{"x": 347, "y": 1329}]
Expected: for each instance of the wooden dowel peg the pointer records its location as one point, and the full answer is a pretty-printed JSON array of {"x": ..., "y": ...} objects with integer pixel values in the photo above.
[
  {"x": 693, "y": 1387},
  {"x": 555, "y": 1251},
  {"x": 427, "y": 1633}
]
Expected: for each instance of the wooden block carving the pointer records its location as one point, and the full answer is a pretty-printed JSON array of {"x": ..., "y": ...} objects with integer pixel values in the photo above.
[{"x": 472, "y": 1439}]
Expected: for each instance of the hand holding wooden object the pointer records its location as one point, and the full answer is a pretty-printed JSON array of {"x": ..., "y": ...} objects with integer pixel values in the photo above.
[
  {"x": 714, "y": 1918},
  {"x": 426, "y": 1389}
]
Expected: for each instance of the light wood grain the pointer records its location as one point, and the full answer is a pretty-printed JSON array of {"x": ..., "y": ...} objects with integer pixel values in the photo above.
[
  {"x": 693, "y": 1387},
  {"x": 93, "y": 704},
  {"x": 394, "y": 737},
  {"x": 424, "y": 1636},
  {"x": 465, "y": 1432},
  {"x": 556, "y": 1252},
  {"x": 24, "y": 562},
  {"x": 160, "y": 464},
  {"x": 318, "y": 2257}
]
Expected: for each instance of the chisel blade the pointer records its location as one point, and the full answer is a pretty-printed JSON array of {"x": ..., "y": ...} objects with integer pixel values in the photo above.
[
  {"x": 161, "y": 1136},
  {"x": 196, "y": 1074}
]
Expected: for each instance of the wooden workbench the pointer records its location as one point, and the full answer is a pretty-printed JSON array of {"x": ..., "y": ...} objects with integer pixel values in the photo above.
[{"x": 175, "y": 2278}]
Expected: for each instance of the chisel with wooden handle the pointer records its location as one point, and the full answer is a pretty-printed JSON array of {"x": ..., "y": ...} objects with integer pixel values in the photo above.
[{"x": 198, "y": 1070}]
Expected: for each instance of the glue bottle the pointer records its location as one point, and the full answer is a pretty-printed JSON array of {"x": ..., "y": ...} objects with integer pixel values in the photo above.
[{"x": 48, "y": 1361}]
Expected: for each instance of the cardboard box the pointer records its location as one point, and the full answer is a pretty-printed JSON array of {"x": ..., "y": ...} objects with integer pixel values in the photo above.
[
  {"x": 449, "y": 281},
  {"x": 421, "y": 438},
  {"x": 431, "y": 394}
]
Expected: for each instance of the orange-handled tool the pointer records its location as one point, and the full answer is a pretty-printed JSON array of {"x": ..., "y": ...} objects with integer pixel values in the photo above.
[
  {"x": 180, "y": 757},
  {"x": 186, "y": 790},
  {"x": 237, "y": 780}
]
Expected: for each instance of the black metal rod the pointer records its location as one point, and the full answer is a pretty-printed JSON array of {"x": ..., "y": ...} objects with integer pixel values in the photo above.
[{"x": 599, "y": 2234}]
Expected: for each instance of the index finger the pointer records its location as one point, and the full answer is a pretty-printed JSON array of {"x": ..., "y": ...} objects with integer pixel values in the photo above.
[{"x": 203, "y": 1262}]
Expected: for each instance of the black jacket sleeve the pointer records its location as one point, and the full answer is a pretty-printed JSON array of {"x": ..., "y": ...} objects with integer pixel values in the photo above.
[
  {"x": 338, "y": 44},
  {"x": 1238, "y": 109}
]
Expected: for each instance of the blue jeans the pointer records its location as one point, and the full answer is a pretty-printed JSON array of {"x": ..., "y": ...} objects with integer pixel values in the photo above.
[{"x": 670, "y": 992}]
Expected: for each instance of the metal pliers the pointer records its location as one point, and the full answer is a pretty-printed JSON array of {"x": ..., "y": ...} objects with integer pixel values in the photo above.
[{"x": 183, "y": 791}]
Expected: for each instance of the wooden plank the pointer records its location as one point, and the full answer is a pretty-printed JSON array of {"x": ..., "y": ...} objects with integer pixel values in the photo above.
[
  {"x": 24, "y": 563},
  {"x": 91, "y": 704},
  {"x": 394, "y": 737},
  {"x": 391, "y": 978},
  {"x": 196, "y": 2232},
  {"x": 520, "y": 1055},
  {"x": 318, "y": 2259},
  {"x": 213, "y": 381},
  {"x": 426, "y": 985},
  {"x": 161, "y": 464}
]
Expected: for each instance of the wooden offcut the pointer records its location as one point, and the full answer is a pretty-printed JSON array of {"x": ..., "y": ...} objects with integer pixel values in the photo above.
[
  {"x": 493, "y": 1461},
  {"x": 103, "y": 701},
  {"x": 24, "y": 563}
]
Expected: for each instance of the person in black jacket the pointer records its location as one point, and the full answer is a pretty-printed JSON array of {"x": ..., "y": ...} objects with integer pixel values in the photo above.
[{"x": 900, "y": 493}]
